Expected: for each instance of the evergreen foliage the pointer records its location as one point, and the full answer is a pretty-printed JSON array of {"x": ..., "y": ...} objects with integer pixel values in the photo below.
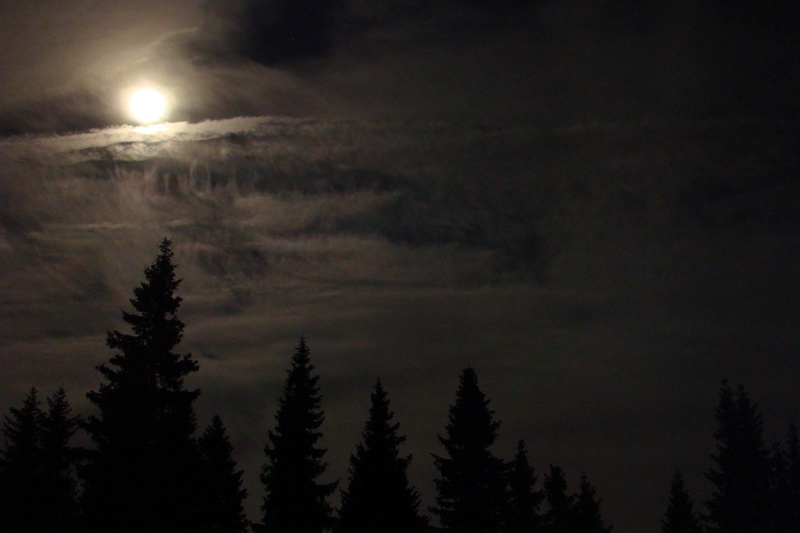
[
  {"x": 295, "y": 501},
  {"x": 58, "y": 497},
  {"x": 37, "y": 485},
  {"x": 680, "y": 516},
  {"x": 379, "y": 497},
  {"x": 560, "y": 516},
  {"x": 740, "y": 501},
  {"x": 587, "y": 509},
  {"x": 20, "y": 466},
  {"x": 522, "y": 513},
  {"x": 221, "y": 493},
  {"x": 785, "y": 484},
  {"x": 144, "y": 474},
  {"x": 471, "y": 494}
]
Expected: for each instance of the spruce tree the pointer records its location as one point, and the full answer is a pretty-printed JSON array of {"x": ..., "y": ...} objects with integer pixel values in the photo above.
[
  {"x": 471, "y": 488},
  {"x": 37, "y": 483},
  {"x": 739, "y": 503},
  {"x": 785, "y": 484},
  {"x": 21, "y": 475},
  {"x": 522, "y": 513},
  {"x": 221, "y": 493},
  {"x": 59, "y": 494},
  {"x": 561, "y": 513},
  {"x": 144, "y": 474},
  {"x": 680, "y": 516},
  {"x": 295, "y": 501},
  {"x": 587, "y": 509},
  {"x": 378, "y": 497},
  {"x": 793, "y": 477}
]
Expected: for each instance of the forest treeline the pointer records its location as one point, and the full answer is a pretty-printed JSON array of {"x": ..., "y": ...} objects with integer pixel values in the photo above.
[{"x": 147, "y": 471}]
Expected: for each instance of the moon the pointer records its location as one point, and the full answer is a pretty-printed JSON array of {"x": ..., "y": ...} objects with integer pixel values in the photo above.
[{"x": 147, "y": 105}]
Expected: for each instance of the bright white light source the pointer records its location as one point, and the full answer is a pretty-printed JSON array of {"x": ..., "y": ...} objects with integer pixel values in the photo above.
[{"x": 147, "y": 105}]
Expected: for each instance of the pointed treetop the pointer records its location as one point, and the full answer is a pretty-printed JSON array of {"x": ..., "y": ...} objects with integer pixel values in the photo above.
[
  {"x": 588, "y": 508},
  {"x": 471, "y": 421},
  {"x": 680, "y": 516}
]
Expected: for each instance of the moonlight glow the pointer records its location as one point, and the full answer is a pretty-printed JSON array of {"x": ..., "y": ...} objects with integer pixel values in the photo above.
[{"x": 147, "y": 105}]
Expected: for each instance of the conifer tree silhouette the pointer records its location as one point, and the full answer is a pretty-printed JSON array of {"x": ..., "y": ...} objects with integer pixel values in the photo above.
[
  {"x": 522, "y": 513},
  {"x": 785, "y": 484},
  {"x": 790, "y": 512},
  {"x": 20, "y": 466},
  {"x": 739, "y": 502},
  {"x": 59, "y": 495},
  {"x": 587, "y": 509},
  {"x": 295, "y": 501},
  {"x": 378, "y": 497},
  {"x": 221, "y": 493},
  {"x": 680, "y": 516},
  {"x": 560, "y": 516},
  {"x": 471, "y": 488},
  {"x": 37, "y": 485},
  {"x": 144, "y": 474}
]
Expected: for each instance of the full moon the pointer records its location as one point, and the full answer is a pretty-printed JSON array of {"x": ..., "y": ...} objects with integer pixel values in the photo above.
[{"x": 147, "y": 105}]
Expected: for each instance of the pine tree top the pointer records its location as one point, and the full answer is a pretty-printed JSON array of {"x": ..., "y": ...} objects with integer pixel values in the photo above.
[
  {"x": 680, "y": 516},
  {"x": 22, "y": 429},
  {"x": 294, "y": 499},
  {"x": 471, "y": 424}
]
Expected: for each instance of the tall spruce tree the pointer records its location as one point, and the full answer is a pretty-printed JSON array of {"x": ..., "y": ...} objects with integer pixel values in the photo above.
[
  {"x": 471, "y": 494},
  {"x": 740, "y": 501},
  {"x": 37, "y": 483},
  {"x": 143, "y": 478},
  {"x": 379, "y": 497},
  {"x": 59, "y": 495},
  {"x": 792, "y": 509},
  {"x": 785, "y": 484},
  {"x": 21, "y": 476},
  {"x": 587, "y": 509},
  {"x": 295, "y": 501},
  {"x": 680, "y": 516},
  {"x": 221, "y": 493},
  {"x": 561, "y": 514},
  {"x": 522, "y": 513}
]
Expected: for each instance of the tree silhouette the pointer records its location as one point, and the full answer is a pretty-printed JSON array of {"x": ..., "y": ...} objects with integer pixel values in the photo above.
[
  {"x": 58, "y": 497},
  {"x": 221, "y": 493},
  {"x": 20, "y": 466},
  {"x": 37, "y": 485},
  {"x": 144, "y": 473},
  {"x": 295, "y": 502},
  {"x": 792, "y": 509},
  {"x": 560, "y": 516},
  {"x": 522, "y": 513},
  {"x": 739, "y": 502},
  {"x": 587, "y": 509},
  {"x": 378, "y": 497},
  {"x": 471, "y": 487},
  {"x": 680, "y": 516},
  {"x": 785, "y": 484}
]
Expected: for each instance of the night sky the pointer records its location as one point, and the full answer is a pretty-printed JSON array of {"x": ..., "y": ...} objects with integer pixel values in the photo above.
[{"x": 594, "y": 203}]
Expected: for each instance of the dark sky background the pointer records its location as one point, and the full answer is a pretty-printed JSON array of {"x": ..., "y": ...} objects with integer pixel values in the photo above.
[{"x": 595, "y": 203}]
